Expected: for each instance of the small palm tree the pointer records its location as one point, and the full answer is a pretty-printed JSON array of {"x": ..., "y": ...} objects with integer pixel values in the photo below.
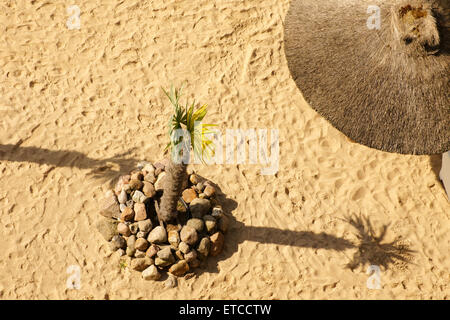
[{"x": 185, "y": 132}]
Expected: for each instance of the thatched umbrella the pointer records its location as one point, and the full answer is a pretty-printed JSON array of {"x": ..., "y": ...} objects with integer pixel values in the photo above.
[{"x": 386, "y": 88}]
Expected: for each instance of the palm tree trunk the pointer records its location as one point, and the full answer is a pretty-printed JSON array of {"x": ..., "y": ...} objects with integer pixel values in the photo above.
[{"x": 173, "y": 187}]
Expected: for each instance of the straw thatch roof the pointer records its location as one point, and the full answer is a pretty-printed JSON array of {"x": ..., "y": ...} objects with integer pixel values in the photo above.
[{"x": 386, "y": 88}]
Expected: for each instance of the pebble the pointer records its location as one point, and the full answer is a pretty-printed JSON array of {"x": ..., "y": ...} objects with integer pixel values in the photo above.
[
  {"x": 141, "y": 244},
  {"x": 159, "y": 184},
  {"x": 173, "y": 227},
  {"x": 217, "y": 240},
  {"x": 150, "y": 177},
  {"x": 224, "y": 222},
  {"x": 140, "y": 264},
  {"x": 122, "y": 207},
  {"x": 109, "y": 207},
  {"x": 196, "y": 223},
  {"x": 210, "y": 224},
  {"x": 135, "y": 185},
  {"x": 138, "y": 197},
  {"x": 162, "y": 263},
  {"x": 217, "y": 212},
  {"x": 151, "y": 273},
  {"x": 140, "y": 213},
  {"x": 122, "y": 197},
  {"x": 152, "y": 251},
  {"x": 127, "y": 214},
  {"x": 107, "y": 228},
  {"x": 199, "y": 207},
  {"x": 137, "y": 176},
  {"x": 202, "y": 196},
  {"x": 189, "y": 235},
  {"x": 148, "y": 189},
  {"x": 194, "y": 264},
  {"x": 188, "y": 195},
  {"x": 209, "y": 191},
  {"x": 134, "y": 228},
  {"x": 141, "y": 234},
  {"x": 140, "y": 254},
  {"x": 179, "y": 255},
  {"x": 130, "y": 245},
  {"x": 145, "y": 225},
  {"x": 184, "y": 247},
  {"x": 193, "y": 178},
  {"x": 123, "y": 229},
  {"x": 149, "y": 168},
  {"x": 190, "y": 256},
  {"x": 118, "y": 242},
  {"x": 199, "y": 187},
  {"x": 180, "y": 268},
  {"x": 121, "y": 182},
  {"x": 204, "y": 247},
  {"x": 166, "y": 255},
  {"x": 174, "y": 238},
  {"x": 120, "y": 252},
  {"x": 171, "y": 282},
  {"x": 130, "y": 203},
  {"x": 157, "y": 235}
]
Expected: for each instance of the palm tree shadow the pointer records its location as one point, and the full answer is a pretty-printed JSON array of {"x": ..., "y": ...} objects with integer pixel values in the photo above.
[
  {"x": 104, "y": 169},
  {"x": 436, "y": 165},
  {"x": 372, "y": 250}
]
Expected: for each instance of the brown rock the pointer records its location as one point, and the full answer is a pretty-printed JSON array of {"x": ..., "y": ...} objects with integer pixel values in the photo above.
[
  {"x": 159, "y": 184},
  {"x": 141, "y": 244},
  {"x": 193, "y": 178},
  {"x": 209, "y": 191},
  {"x": 191, "y": 256},
  {"x": 174, "y": 238},
  {"x": 127, "y": 214},
  {"x": 217, "y": 241},
  {"x": 152, "y": 251},
  {"x": 110, "y": 206},
  {"x": 180, "y": 268},
  {"x": 150, "y": 177},
  {"x": 148, "y": 189},
  {"x": 140, "y": 264},
  {"x": 179, "y": 255},
  {"x": 135, "y": 185},
  {"x": 140, "y": 213},
  {"x": 121, "y": 182},
  {"x": 123, "y": 229},
  {"x": 173, "y": 227},
  {"x": 189, "y": 195}
]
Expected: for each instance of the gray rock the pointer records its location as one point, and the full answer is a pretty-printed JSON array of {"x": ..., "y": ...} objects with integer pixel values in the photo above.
[
  {"x": 138, "y": 197},
  {"x": 210, "y": 224},
  {"x": 157, "y": 235},
  {"x": 130, "y": 203},
  {"x": 166, "y": 255},
  {"x": 107, "y": 228},
  {"x": 196, "y": 223},
  {"x": 200, "y": 207},
  {"x": 217, "y": 212},
  {"x": 151, "y": 273},
  {"x": 204, "y": 246},
  {"x": 145, "y": 225},
  {"x": 109, "y": 207},
  {"x": 184, "y": 247},
  {"x": 190, "y": 256},
  {"x": 122, "y": 197},
  {"x": 140, "y": 264},
  {"x": 189, "y": 235},
  {"x": 118, "y": 242},
  {"x": 162, "y": 263}
]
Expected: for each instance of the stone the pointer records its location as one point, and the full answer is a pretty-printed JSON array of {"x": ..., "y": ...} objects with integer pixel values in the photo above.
[
  {"x": 141, "y": 234},
  {"x": 130, "y": 203},
  {"x": 180, "y": 268},
  {"x": 151, "y": 273},
  {"x": 217, "y": 212},
  {"x": 157, "y": 235},
  {"x": 123, "y": 229},
  {"x": 190, "y": 256},
  {"x": 204, "y": 247},
  {"x": 127, "y": 214},
  {"x": 174, "y": 238},
  {"x": 135, "y": 185},
  {"x": 152, "y": 251},
  {"x": 149, "y": 168},
  {"x": 217, "y": 241},
  {"x": 162, "y": 263},
  {"x": 118, "y": 242},
  {"x": 196, "y": 223},
  {"x": 122, "y": 207},
  {"x": 199, "y": 207},
  {"x": 173, "y": 227},
  {"x": 107, "y": 228},
  {"x": 189, "y": 235},
  {"x": 159, "y": 184},
  {"x": 109, "y": 207},
  {"x": 140, "y": 213},
  {"x": 171, "y": 282},
  {"x": 179, "y": 255},
  {"x": 140, "y": 264},
  {"x": 140, "y": 254},
  {"x": 188, "y": 195},
  {"x": 166, "y": 254},
  {"x": 184, "y": 247},
  {"x": 145, "y": 225},
  {"x": 141, "y": 244},
  {"x": 199, "y": 187},
  {"x": 209, "y": 191},
  {"x": 150, "y": 177},
  {"x": 158, "y": 171},
  {"x": 148, "y": 189},
  {"x": 137, "y": 176},
  {"x": 202, "y": 196},
  {"x": 223, "y": 224},
  {"x": 120, "y": 252},
  {"x": 194, "y": 264},
  {"x": 210, "y": 224},
  {"x": 138, "y": 197},
  {"x": 122, "y": 197},
  {"x": 131, "y": 250},
  {"x": 193, "y": 178},
  {"x": 123, "y": 180},
  {"x": 134, "y": 228}
]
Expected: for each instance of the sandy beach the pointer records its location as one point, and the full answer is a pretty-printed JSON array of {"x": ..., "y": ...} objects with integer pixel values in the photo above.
[{"x": 81, "y": 107}]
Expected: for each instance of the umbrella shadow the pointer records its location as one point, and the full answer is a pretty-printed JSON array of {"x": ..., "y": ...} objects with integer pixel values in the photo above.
[
  {"x": 104, "y": 169},
  {"x": 372, "y": 250}
]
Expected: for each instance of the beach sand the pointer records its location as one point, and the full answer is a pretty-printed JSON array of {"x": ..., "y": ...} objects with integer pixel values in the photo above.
[{"x": 80, "y": 107}]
